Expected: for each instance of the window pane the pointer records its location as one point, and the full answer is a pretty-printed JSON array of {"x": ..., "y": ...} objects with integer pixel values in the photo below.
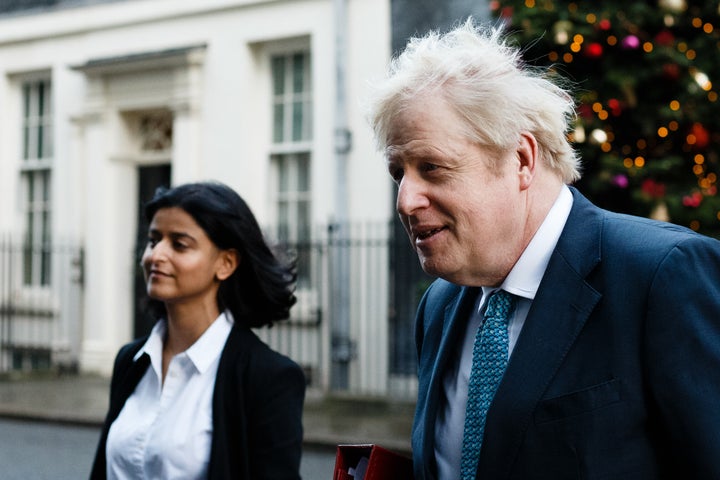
[
  {"x": 26, "y": 100},
  {"x": 307, "y": 121},
  {"x": 27, "y": 121},
  {"x": 303, "y": 266},
  {"x": 30, "y": 190},
  {"x": 30, "y": 233},
  {"x": 45, "y": 180},
  {"x": 278, "y": 123},
  {"x": 297, "y": 121},
  {"x": 47, "y": 123},
  {"x": 41, "y": 98},
  {"x": 47, "y": 143},
  {"x": 283, "y": 221},
  {"x": 283, "y": 176},
  {"x": 38, "y": 118},
  {"x": 37, "y": 145},
  {"x": 303, "y": 173},
  {"x": 45, "y": 255},
  {"x": 278, "y": 73},
  {"x": 298, "y": 73},
  {"x": 26, "y": 142},
  {"x": 40, "y": 138},
  {"x": 45, "y": 227},
  {"x": 303, "y": 216},
  {"x": 28, "y": 252}
]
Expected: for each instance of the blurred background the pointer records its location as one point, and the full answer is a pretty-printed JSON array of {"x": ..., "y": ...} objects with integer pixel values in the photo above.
[{"x": 102, "y": 101}]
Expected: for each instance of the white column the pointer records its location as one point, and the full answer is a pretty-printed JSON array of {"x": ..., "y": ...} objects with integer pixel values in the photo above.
[{"x": 109, "y": 226}]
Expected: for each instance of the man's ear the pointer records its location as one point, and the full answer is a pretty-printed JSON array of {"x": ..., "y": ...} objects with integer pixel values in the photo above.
[
  {"x": 527, "y": 152},
  {"x": 227, "y": 263}
]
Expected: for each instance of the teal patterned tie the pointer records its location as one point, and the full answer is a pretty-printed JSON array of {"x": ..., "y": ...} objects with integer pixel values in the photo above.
[{"x": 490, "y": 357}]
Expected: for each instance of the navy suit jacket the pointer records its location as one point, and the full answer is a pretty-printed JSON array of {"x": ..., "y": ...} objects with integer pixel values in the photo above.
[
  {"x": 616, "y": 373},
  {"x": 257, "y": 409}
]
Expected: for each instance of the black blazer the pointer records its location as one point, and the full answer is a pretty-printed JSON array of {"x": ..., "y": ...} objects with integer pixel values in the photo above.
[
  {"x": 616, "y": 373},
  {"x": 257, "y": 409}
]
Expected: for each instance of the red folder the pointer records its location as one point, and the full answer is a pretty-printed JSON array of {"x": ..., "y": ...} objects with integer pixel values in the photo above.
[{"x": 383, "y": 464}]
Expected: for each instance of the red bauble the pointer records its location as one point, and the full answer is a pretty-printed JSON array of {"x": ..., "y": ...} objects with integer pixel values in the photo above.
[
  {"x": 604, "y": 24},
  {"x": 615, "y": 106},
  {"x": 652, "y": 188},
  {"x": 585, "y": 111},
  {"x": 665, "y": 38},
  {"x": 593, "y": 50},
  {"x": 693, "y": 201},
  {"x": 671, "y": 71},
  {"x": 702, "y": 136}
]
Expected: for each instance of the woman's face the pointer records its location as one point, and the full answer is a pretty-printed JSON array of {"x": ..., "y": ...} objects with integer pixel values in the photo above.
[{"x": 181, "y": 264}]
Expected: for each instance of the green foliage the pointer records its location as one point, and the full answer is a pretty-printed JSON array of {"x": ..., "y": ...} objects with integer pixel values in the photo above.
[{"x": 648, "y": 125}]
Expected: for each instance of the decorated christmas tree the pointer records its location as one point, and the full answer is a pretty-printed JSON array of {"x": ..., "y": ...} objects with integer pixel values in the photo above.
[{"x": 648, "y": 123}]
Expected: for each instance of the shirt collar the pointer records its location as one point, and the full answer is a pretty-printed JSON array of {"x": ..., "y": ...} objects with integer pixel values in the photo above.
[
  {"x": 209, "y": 346},
  {"x": 201, "y": 353},
  {"x": 524, "y": 278}
]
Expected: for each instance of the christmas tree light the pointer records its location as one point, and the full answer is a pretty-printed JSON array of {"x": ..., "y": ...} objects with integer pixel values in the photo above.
[{"x": 648, "y": 116}]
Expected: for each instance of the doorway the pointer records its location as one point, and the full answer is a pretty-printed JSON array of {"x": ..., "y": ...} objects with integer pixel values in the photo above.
[{"x": 149, "y": 179}]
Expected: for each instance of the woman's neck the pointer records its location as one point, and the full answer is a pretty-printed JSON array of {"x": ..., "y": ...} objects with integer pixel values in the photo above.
[{"x": 187, "y": 323}]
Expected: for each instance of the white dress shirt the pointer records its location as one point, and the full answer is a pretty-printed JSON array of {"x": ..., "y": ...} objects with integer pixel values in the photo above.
[
  {"x": 165, "y": 430},
  {"x": 522, "y": 281}
]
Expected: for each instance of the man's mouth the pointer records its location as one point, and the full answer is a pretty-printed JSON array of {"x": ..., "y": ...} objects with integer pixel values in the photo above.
[{"x": 428, "y": 233}]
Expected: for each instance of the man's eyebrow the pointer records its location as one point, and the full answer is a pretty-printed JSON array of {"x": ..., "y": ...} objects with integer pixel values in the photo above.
[{"x": 391, "y": 152}]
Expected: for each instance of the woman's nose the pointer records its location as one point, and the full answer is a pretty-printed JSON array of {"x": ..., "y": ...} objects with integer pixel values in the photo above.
[{"x": 154, "y": 253}]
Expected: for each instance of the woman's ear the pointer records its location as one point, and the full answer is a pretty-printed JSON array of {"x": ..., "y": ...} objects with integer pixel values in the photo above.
[{"x": 228, "y": 261}]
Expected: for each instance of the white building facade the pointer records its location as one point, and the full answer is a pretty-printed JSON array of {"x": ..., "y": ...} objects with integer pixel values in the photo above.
[{"x": 102, "y": 101}]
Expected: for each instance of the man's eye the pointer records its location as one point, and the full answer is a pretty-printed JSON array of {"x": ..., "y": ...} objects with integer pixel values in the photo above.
[
  {"x": 429, "y": 167},
  {"x": 397, "y": 174}
]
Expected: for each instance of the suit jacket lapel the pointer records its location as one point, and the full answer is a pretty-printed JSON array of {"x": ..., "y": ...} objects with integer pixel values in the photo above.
[
  {"x": 457, "y": 314},
  {"x": 562, "y": 305}
]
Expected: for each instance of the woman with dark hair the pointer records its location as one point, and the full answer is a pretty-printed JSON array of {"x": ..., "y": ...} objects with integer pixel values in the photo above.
[{"x": 202, "y": 396}]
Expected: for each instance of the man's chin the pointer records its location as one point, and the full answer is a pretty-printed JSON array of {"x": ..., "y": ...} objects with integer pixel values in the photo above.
[{"x": 432, "y": 268}]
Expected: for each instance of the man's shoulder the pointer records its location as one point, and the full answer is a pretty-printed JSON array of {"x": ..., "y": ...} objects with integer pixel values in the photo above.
[
  {"x": 647, "y": 232},
  {"x": 627, "y": 230},
  {"x": 442, "y": 291}
]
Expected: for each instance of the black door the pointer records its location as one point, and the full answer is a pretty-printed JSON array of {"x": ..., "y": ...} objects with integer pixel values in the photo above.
[{"x": 149, "y": 178}]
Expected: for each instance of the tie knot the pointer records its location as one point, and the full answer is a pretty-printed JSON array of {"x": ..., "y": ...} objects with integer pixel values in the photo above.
[{"x": 499, "y": 305}]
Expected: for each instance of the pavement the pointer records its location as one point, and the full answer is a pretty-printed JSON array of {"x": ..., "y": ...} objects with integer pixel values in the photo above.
[{"x": 328, "y": 420}]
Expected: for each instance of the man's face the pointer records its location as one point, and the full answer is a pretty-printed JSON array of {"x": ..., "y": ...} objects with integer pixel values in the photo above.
[{"x": 464, "y": 220}]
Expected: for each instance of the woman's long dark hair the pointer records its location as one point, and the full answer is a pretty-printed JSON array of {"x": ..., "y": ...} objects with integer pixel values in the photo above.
[{"x": 260, "y": 291}]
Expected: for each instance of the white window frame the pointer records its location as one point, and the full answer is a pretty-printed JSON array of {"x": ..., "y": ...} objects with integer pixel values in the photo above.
[
  {"x": 290, "y": 153},
  {"x": 37, "y": 153}
]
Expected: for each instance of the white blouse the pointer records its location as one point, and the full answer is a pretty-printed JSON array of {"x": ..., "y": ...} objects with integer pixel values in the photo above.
[{"x": 165, "y": 431}]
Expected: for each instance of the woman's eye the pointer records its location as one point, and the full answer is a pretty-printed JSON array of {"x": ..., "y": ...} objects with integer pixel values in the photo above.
[{"x": 152, "y": 242}]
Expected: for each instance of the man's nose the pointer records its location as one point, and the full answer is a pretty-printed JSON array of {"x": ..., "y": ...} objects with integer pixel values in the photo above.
[{"x": 411, "y": 196}]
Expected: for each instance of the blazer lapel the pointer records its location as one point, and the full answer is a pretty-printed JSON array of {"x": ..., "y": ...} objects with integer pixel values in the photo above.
[
  {"x": 127, "y": 383},
  {"x": 563, "y": 303}
]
